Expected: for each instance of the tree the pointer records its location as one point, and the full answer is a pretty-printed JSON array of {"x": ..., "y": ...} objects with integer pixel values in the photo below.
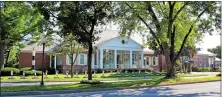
[
  {"x": 216, "y": 51},
  {"x": 171, "y": 25},
  {"x": 69, "y": 47},
  {"x": 81, "y": 19},
  {"x": 19, "y": 22}
]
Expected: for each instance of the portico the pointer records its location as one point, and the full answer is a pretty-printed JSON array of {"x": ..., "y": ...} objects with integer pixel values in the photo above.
[{"x": 119, "y": 53}]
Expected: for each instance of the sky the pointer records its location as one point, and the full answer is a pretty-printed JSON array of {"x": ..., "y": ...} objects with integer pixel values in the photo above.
[{"x": 209, "y": 41}]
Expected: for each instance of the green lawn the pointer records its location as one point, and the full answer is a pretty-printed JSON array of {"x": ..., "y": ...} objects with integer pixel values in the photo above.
[
  {"x": 81, "y": 77},
  {"x": 98, "y": 77},
  {"x": 154, "y": 81}
]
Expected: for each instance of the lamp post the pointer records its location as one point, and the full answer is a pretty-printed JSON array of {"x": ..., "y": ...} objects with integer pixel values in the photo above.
[{"x": 43, "y": 51}]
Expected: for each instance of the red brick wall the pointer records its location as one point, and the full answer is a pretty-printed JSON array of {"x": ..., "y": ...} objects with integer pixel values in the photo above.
[{"x": 25, "y": 60}]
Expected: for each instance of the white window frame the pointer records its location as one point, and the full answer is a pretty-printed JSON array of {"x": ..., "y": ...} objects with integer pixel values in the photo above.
[
  {"x": 154, "y": 58},
  {"x": 80, "y": 59},
  {"x": 148, "y": 59}
]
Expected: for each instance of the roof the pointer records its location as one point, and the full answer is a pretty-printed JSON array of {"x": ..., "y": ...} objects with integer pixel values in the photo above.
[
  {"x": 104, "y": 36},
  {"x": 108, "y": 34},
  {"x": 217, "y": 59},
  {"x": 204, "y": 52},
  {"x": 38, "y": 49}
]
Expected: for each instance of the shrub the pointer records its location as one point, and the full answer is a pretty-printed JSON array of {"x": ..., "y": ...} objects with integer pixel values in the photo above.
[
  {"x": 51, "y": 70},
  {"x": 25, "y": 69},
  {"x": 7, "y": 71},
  {"x": 218, "y": 75},
  {"x": 27, "y": 73},
  {"x": 196, "y": 69},
  {"x": 92, "y": 82}
]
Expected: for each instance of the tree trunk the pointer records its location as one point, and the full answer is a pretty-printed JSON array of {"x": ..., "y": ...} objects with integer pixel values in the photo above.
[
  {"x": 2, "y": 55},
  {"x": 72, "y": 64},
  {"x": 171, "y": 72},
  {"x": 6, "y": 61},
  {"x": 89, "y": 60}
]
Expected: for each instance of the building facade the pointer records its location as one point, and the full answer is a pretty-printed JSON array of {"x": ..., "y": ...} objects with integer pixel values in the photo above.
[{"x": 111, "y": 52}]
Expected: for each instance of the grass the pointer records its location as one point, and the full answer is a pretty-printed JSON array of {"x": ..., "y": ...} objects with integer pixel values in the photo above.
[
  {"x": 62, "y": 79},
  {"x": 81, "y": 77},
  {"x": 157, "y": 80}
]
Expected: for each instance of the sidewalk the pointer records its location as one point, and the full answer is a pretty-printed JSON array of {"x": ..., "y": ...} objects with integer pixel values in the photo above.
[
  {"x": 208, "y": 73},
  {"x": 54, "y": 83}
]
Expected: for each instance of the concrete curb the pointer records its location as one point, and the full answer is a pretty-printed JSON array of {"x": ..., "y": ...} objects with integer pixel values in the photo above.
[{"x": 86, "y": 90}]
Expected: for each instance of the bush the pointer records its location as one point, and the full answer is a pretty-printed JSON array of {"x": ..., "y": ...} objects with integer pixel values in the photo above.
[
  {"x": 51, "y": 70},
  {"x": 218, "y": 75},
  {"x": 92, "y": 82},
  {"x": 27, "y": 73},
  {"x": 7, "y": 71},
  {"x": 196, "y": 69},
  {"x": 25, "y": 69}
]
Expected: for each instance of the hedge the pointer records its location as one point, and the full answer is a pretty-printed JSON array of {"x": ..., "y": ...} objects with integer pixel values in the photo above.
[
  {"x": 25, "y": 69},
  {"x": 205, "y": 69},
  {"x": 7, "y": 71},
  {"x": 32, "y": 73}
]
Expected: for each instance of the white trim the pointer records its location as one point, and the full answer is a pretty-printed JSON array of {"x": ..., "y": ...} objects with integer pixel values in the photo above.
[
  {"x": 115, "y": 58},
  {"x": 131, "y": 59},
  {"x": 118, "y": 37},
  {"x": 101, "y": 58},
  {"x": 55, "y": 62},
  {"x": 50, "y": 62},
  {"x": 142, "y": 57}
]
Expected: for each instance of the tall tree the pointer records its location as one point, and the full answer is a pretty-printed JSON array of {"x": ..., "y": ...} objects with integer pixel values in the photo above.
[
  {"x": 69, "y": 47},
  {"x": 216, "y": 51},
  {"x": 81, "y": 19},
  {"x": 171, "y": 25},
  {"x": 19, "y": 22}
]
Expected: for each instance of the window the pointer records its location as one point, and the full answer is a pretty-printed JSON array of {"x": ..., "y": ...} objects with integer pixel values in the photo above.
[
  {"x": 154, "y": 59},
  {"x": 147, "y": 60},
  {"x": 108, "y": 58},
  {"x": 69, "y": 60},
  {"x": 82, "y": 59}
]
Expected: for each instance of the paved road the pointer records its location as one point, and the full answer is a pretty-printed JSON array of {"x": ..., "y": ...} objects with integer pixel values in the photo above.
[{"x": 210, "y": 89}]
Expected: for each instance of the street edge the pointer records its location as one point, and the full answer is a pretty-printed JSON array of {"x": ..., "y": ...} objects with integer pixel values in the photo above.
[{"x": 87, "y": 90}]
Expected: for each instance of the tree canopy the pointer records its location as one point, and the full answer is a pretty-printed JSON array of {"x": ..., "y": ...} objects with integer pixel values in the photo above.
[
  {"x": 168, "y": 26},
  {"x": 216, "y": 50},
  {"x": 19, "y": 23}
]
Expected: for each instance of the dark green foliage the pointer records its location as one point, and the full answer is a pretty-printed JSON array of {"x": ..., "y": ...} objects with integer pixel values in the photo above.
[
  {"x": 25, "y": 69},
  {"x": 92, "y": 82},
  {"x": 195, "y": 69},
  {"x": 216, "y": 51},
  {"x": 31, "y": 73},
  {"x": 51, "y": 70},
  {"x": 7, "y": 71}
]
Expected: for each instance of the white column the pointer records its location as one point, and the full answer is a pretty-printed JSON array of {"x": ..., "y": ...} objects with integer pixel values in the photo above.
[
  {"x": 55, "y": 61},
  {"x": 97, "y": 58},
  {"x": 33, "y": 59},
  {"x": 93, "y": 61},
  {"x": 50, "y": 62},
  {"x": 101, "y": 58},
  {"x": 142, "y": 65},
  {"x": 115, "y": 59},
  {"x": 131, "y": 60}
]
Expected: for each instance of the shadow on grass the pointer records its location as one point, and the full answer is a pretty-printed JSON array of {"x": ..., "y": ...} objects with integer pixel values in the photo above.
[{"x": 143, "y": 92}]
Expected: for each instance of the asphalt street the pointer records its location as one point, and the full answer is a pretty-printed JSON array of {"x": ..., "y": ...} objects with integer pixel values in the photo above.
[{"x": 209, "y": 89}]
